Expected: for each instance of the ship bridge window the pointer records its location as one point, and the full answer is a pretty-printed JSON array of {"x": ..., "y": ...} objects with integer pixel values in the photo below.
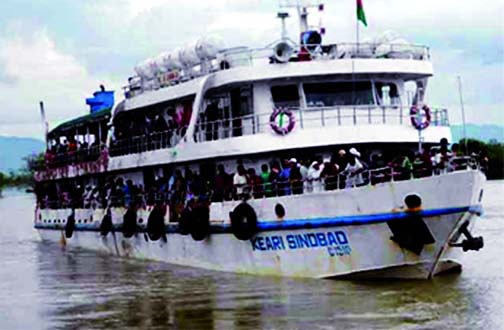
[
  {"x": 338, "y": 94},
  {"x": 286, "y": 96}
]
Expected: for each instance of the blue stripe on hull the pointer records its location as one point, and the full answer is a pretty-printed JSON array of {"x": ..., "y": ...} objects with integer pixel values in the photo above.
[{"x": 353, "y": 220}]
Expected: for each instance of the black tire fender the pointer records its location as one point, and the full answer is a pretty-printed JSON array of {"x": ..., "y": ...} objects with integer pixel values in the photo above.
[
  {"x": 155, "y": 224},
  {"x": 106, "y": 225},
  {"x": 200, "y": 223},
  {"x": 129, "y": 227},
  {"x": 243, "y": 222},
  {"x": 185, "y": 221},
  {"x": 70, "y": 226}
]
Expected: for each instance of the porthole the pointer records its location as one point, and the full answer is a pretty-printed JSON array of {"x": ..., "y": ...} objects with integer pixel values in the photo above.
[
  {"x": 140, "y": 220},
  {"x": 279, "y": 210}
]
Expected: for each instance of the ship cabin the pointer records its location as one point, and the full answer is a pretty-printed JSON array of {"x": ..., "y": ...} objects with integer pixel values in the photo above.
[
  {"x": 250, "y": 103},
  {"x": 77, "y": 146},
  {"x": 254, "y": 112}
]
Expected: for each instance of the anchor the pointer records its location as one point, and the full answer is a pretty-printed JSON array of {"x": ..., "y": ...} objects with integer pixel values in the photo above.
[
  {"x": 412, "y": 233},
  {"x": 471, "y": 243}
]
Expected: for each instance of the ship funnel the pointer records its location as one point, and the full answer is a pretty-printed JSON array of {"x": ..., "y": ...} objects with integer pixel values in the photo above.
[{"x": 283, "y": 52}]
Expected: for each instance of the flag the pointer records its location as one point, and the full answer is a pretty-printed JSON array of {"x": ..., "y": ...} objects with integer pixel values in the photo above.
[{"x": 361, "y": 16}]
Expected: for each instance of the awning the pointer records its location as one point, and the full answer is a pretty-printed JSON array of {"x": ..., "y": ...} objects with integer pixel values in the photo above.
[{"x": 83, "y": 121}]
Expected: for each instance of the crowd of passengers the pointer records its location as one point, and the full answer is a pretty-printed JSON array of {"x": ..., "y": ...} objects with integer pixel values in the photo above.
[
  {"x": 345, "y": 169},
  {"x": 147, "y": 132},
  {"x": 71, "y": 151}
]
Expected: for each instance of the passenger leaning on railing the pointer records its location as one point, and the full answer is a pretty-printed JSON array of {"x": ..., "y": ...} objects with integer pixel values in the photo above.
[
  {"x": 295, "y": 177},
  {"x": 240, "y": 181},
  {"x": 354, "y": 169},
  {"x": 313, "y": 180}
]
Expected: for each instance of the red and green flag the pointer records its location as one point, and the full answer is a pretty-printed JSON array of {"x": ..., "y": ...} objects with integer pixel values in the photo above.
[{"x": 361, "y": 16}]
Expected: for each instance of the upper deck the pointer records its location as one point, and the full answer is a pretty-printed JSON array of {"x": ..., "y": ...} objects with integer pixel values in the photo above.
[{"x": 242, "y": 65}]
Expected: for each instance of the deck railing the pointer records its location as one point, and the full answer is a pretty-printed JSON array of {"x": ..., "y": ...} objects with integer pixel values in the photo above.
[
  {"x": 244, "y": 56},
  {"x": 60, "y": 159},
  {"x": 276, "y": 188},
  {"x": 314, "y": 117}
]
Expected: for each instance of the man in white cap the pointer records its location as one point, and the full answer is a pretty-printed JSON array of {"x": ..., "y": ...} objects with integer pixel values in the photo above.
[
  {"x": 354, "y": 169},
  {"x": 314, "y": 172}
]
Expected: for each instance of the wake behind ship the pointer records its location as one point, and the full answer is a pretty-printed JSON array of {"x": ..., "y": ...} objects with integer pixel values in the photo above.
[{"x": 297, "y": 159}]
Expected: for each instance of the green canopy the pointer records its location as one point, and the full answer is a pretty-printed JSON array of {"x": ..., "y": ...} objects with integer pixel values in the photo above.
[{"x": 83, "y": 121}]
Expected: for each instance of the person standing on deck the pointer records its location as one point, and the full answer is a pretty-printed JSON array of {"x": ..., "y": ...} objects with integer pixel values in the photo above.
[
  {"x": 265, "y": 175},
  {"x": 354, "y": 169},
  {"x": 240, "y": 181}
]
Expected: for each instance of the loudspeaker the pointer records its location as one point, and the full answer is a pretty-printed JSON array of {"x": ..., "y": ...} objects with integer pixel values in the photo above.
[{"x": 283, "y": 52}]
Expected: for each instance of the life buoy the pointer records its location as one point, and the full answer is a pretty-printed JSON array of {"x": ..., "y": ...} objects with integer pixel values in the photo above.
[
  {"x": 70, "y": 226},
  {"x": 155, "y": 224},
  {"x": 106, "y": 225},
  {"x": 243, "y": 222},
  {"x": 129, "y": 227},
  {"x": 200, "y": 223},
  {"x": 277, "y": 121},
  {"x": 425, "y": 118}
]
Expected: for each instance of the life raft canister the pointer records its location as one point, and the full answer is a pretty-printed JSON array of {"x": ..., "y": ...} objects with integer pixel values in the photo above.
[
  {"x": 106, "y": 225},
  {"x": 70, "y": 225},
  {"x": 425, "y": 118},
  {"x": 282, "y": 121},
  {"x": 200, "y": 223},
  {"x": 243, "y": 221},
  {"x": 155, "y": 223},
  {"x": 129, "y": 227}
]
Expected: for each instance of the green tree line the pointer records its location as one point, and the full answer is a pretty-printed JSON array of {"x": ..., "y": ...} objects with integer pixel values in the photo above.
[
  {"x": 492, "y": 151},
  {"x": 24, "y": 176}
]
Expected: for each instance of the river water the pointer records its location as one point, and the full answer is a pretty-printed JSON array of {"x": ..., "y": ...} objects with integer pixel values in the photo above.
[{"x": 42, "y": 286}]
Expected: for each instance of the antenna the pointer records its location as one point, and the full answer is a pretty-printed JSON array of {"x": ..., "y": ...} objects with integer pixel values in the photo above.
[
  {"x": 463, "y": 113},
  {"x": 302, "y": 7},
  {"x": 283, "y": 16}
]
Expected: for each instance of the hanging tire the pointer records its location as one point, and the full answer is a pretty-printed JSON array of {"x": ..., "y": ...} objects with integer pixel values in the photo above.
[
  {"x": 243, "y": 222},
  {"x": 70, "y": 226},
  {"x": 200, "y": 223},
  {"x": 185, "y": 221},
  {"x": 129, "y": 227},
  {"x": 155, "y": 224},
  {"x": 106, "y": 225}
]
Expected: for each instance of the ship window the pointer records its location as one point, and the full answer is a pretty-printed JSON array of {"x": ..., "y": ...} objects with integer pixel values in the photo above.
[
  {"x": 338, "y": 93},
  {"x": 285, "y": 96},
  {"x": 227, "y": 114}
]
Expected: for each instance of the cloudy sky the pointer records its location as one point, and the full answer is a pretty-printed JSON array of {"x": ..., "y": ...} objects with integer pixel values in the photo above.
[{"x": 59, "y": 51}]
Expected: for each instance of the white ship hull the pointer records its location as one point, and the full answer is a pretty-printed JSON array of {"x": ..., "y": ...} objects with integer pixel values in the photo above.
[{"x": 331, "y": 234}]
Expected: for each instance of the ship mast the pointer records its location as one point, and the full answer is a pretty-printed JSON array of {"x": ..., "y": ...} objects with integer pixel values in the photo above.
[{"x": 302, "y": 7}]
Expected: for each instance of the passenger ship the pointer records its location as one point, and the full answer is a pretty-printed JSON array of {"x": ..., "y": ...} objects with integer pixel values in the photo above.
[{"x": 151, "y": 178}]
